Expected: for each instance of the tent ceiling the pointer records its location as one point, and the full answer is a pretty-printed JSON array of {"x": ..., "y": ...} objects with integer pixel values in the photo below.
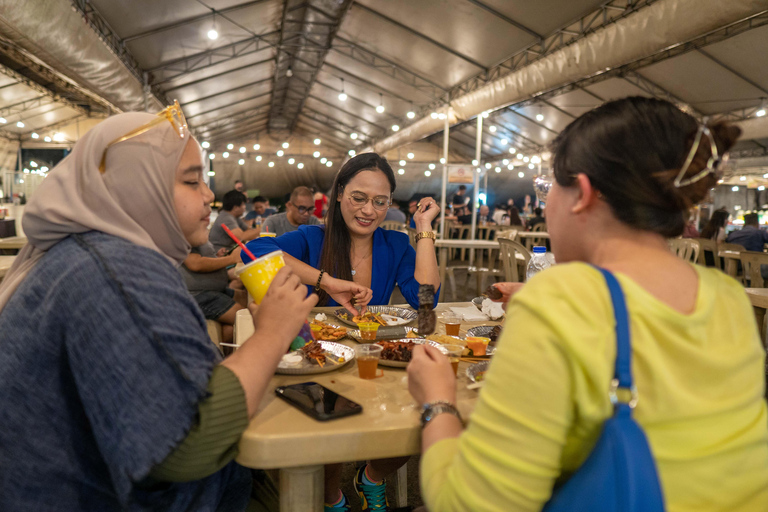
[{"x": 403, "y": 55}]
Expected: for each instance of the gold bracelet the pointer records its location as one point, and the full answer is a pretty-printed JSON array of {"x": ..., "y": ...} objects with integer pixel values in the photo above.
[{"x": 426, "y": 234}]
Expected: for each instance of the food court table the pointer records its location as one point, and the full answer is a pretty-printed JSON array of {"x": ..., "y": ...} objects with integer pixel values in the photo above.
[
  {"x": 13, "y": 243},
  {"x": 445, "y": 245},
  {"x": 5, "y": 264},
  {"x": 759, "y": 299},
  {"x": 282, "y": 437}
]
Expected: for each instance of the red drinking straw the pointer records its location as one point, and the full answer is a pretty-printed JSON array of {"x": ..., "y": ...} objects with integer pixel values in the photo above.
[{"x": 242, "y": 246}]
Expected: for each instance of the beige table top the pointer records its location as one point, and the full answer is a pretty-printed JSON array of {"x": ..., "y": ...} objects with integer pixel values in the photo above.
[
  {"x": 13, "y": 242},
  {"x": 281, "y": 436},
  {"x": 5, "y": 264},
  {"x": 533, "y": 234},
  {"x": 466, "y": 244},
  {"x": 758, "y": 297}
]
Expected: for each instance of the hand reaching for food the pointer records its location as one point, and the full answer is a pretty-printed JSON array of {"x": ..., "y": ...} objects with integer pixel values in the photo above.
[
  {"x": 348, "y": 294},
  {"x": 284, "y": 308},
  {"x": 502, "y": 292}
]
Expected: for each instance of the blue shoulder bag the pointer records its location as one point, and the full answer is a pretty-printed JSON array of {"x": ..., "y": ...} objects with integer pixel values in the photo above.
[{"x": 620, "y": 473}]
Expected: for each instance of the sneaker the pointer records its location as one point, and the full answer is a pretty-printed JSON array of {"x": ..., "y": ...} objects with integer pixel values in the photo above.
[
  {"x": 342, "y": 506},
  {"x": 373, "y": 497}
]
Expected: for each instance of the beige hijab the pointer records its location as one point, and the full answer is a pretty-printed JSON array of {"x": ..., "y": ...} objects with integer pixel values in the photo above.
[{"x": 133, "y": 199}]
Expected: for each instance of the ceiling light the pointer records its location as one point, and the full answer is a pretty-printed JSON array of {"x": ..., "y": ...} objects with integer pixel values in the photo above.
[
  {"x": 380, "y": 108},
  {"x": 328, "y": 163},
  {"x": 742, "y": 178},
  {"x": 351, "y": 152},
  {"x": 206, "y": 144},
  {"x": 432, "y": 166},
  {"x": 285, "y": 145},
  {"x": 760, "y": 113},
  {"x": 58, "y": 137},
  {"x": 353, "y": 135},
  {"x": 323, "y": 160},
  {"x": 427, "y": 173},
  {"x": 442, "y": 160},
  {"x": 395, "y": 127},
  {"x": 225, "y": 154},
  {"x": 520, "y": 156},
  {"x": 258, "y": 158},
  {"x": 433, "y": 115},
  {"x": 505, "y": 161},
  {"x": 497, "y": 169},
  {"x": 342, "y": 95},
  {"x": 212, "y": 156},
  {"x": 492, "y": 129},
  {"x": 536, "y": 159},
  {"x": 47, "y": 139},
  {"x": 761, "y": 188},
  {"x": 401, "y": 171},
  {"x": 3, "y": 120},
  {"x": 300, "y": 165},
  {"x": 45, "y": 169},
  {"x": 316, "y": 154},
  {"x": 317, "y": 142},
  {"x": 271, "y": 164},
  {"x": 211, "y": 173},
  {"x": 735, "y": 189},
  {"x": 511, "y": 166},
  {"x": 241, "y": 161},
  {"x": 504, "y": 142},
  {"x": 256, "y": 147},
  {"x": 512, "y": 151},
  {"x": 441, "y": 116},
  {"x": 479, "y": 170},
  {"x": 526, "y": 159},
  {"x": 475, "y": 162},
  {"x": 410, "y": 156},
  {"x": 35, "y": 135},
  {"x": 20, "y": 124},
  {"x": 291, "y": 161},
  {"x": 411, "y": 114},
  {"x": 487, "y": 165},
  {"x": 280, "y": 152},
  {"x": 402, "y": 163},
  {"x": 486, "y": 114},
  {"x": 539, "y": 117},
  {"x": 242, "y": 149},
  {"x": 521, "y": 174},
  {"x": 230, "y": 146},
  {"x": 32, "y": 163},
  {"x": 213, "y": 34},
  {"x": 531, "y": 166},
  {"x": 289, "y": 72}
]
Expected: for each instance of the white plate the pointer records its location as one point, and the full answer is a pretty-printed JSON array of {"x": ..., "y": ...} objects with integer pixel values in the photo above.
[
  {"x": 415, "y": 341},
  {"x": 310, "y": 367},
  {"x": 405, "y": 316}
]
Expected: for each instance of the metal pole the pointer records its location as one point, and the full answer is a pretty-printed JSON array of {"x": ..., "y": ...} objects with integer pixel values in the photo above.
[
  {"x": 445, "y": 176},
  {"x": 475, "y": 191}
]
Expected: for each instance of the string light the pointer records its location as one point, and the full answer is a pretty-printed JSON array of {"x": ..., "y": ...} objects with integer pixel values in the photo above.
[
  {"x": 258, "y": 158},
  {"x": 401, "y": 171},
  {"x": 342, "y": 95},
  {"x": 475, "y": 162},
  {"x": 442, "y": 160},
  {"x": 212, "y": 156},
  {"x": 35, "y": 135},
  {"x": 206, "y": 144},
  {"x": 497, "y": 169},
  {"x": 225, "y": 154},
  {"x": 242, "y": 149},
  {"x": 427, "y": 173},
  {"x": 317, "y": 142},
  {"x": 328, "y": 163},
  {"x": 20, "y": 124},
  {"x": 316, "y": 154},
  {"x": 411, "y": 114},
  {"x": 352, "y": 152},
  {"x": 256, "y": 147},
  {"x": 512, "y": 151},
  {"x": 521, "y": 174},
  {"x": 280, "y": 152},
  {"x": 410, "y": 156},
  {"x": 492, "y": 128},
  {"x": 241, "y": 161},
  {"x": 353, "y": 135},
  {"x": 230, "y": 146},
  {"x": 395, "y": 127},
  {"x": 291, "y": 161},
  {"x": 402, "y": 163},
  {"x": 380, "y": 108},
  {"x": 285, "y": 145},
  {"x": 271, "y": 164},
  {"x": 487, "y": 165},
  {"x": 433, "y": 115},
  {"x": 300, "y": 165},
  {"x": 323, "y": 160},
  {"x": 432, "y": 166}
]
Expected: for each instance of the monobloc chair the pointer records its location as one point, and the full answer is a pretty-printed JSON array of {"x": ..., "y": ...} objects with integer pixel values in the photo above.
[
  {"x": 509, "y": 249},
  {"x": 393, "y": 225},
  {"x": 750, "y": 263},
  {"x": 707, "y": 252},
  {"x": 685, "y": 248}
]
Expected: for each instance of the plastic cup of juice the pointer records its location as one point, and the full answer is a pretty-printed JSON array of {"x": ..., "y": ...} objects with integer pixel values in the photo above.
[
  {"x": 368, "y": 361},
  {"x": 452, "y": 323},
  {"x": 258, "y": 274},
  {"x": 478, "y": 344},
  {"x": 454, "y": 355},
  {"x": 368, "y": 330}
]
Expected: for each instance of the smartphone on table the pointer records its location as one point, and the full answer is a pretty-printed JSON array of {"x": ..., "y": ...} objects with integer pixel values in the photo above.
[{"x": 318, "y": 401}]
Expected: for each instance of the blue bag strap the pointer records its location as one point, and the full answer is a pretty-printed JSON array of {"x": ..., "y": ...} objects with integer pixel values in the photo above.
[{"x": 623, "y": 370}]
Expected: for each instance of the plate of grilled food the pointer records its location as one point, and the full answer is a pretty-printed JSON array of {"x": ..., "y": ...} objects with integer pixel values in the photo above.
[
  {"x": 327, "y": 331},
  {"x": 384, "y": 315},
  {"x": 397, "y": 353},
  {"x": 486, "y": 331},
  {"x": 316, "y": 357}
]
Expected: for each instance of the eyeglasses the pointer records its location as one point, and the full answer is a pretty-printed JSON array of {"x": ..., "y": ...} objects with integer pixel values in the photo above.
[
  {"x": 171, "y": 113},
  {"x": 359, "y": 200},
  {"x": 304, "y": 209}
]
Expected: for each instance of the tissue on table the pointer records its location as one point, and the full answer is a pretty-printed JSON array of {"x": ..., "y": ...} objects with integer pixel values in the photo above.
[
  {"x": 320, "y": 317},
  {"x": 494, "y": 310}
]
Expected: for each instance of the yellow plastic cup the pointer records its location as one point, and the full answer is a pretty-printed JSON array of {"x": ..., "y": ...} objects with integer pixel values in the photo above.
[
  {"x": 368, "y": 330},
  {"x": 258, "y": 274},
  {"x": 267, "y": 234}
]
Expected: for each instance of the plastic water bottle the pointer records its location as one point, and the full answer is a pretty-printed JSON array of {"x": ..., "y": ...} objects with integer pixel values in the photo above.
[{"x": 540, "y": 260}]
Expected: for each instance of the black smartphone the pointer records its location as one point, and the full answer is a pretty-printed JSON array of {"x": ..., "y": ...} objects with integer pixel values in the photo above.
[
  {"x": 318, "y": 401},
  {"x": 229, "y": 251}
]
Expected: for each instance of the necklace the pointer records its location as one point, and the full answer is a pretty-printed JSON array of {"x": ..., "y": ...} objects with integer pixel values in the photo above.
[{"x": 360, "y": 261}]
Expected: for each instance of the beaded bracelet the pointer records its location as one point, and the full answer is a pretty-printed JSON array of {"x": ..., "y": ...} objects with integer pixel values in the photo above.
[{"x": 319, "y": 278}]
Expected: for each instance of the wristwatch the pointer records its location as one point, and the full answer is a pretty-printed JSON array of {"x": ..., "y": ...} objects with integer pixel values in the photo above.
[
  {"x": 426, "y": 234},
  {"x": 430, "y": 410}
]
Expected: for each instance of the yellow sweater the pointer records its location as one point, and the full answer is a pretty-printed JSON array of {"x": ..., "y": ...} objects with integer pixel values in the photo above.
[{"x": 700, "y": 379}]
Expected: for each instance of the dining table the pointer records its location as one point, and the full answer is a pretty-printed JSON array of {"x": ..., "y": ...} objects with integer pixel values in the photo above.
[
  {"x": 5, "y": 264},
  {"x": 281, "y": 437},
  {"x": 758, "y": 297},
  {"x": 12, "y": 244}
]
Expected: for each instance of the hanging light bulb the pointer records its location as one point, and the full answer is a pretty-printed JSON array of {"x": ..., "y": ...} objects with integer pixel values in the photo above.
[
  {"x": 47, "y": 139},
  {"x": 213, "y": 34},
  {"x": 492, "y": 129},
  {"x": 212, "y": 156},
  {"x": 487, "y": 165},
  {"x": 230, "y": 146},
  {"x": 427, "y": 173},
  {"x": 486, "y": 114},
  {"x": 323, "y": 160},
  {"x": 505, "y": 161},
  {"x": 3, "y": 120},
  {"x": 536, "y": 159},
  {"x": 497, "y": 169},
  {"x": 225, "y": 154},
  {"x": 352, "y": 152},
  {"x": 242, "y": 149},
  {"x": 256, "y": 147},
  {"x": 432, "y": 166},
  {"x": 511, "y": 166},
  {"x": 342, "y": 95},
  {"x": 20, "y": 124},
  {"x": 258, "y": 158},
  {"x": 395, "y": 127},
  {"x": 410, "y": 156},
  {"x": 539, "y": 117},
  {"x": 474, "y": 162},
  {"x": 328, "y": 163},
  {"x": 206, "y": 144},
  {"x": 241, "y": 161},
  {"x": 504, "y": 142},
  {"x": 380, "y": 108},
  {"x": 531, "y": 166},
  {"x": 433, "y": 115},
  {"x": 521, "y": 174},
  {"x": 300, "y": 165},
  {"x": 512, "y": 151},
  {"x": 285, "y": 145},
  {"x": 526, "y": 159},
  {"x": 317, "y": 142},
  {"x": 291, "y": 161},
  {"x": 35, "y": 135},
  {"x": 353, "y": 135},
  {"x": 289, "y": 72},
  {"x": 401, "y": 171},
  {"x": 316, "y": 154},
  {"x": 442, "y": 160},
  {"x": 403, "y": 162},
  {"x": 411, "y": 114},
  {"x": 280, "y": 152},
  {"x": 271, "y": 164}
]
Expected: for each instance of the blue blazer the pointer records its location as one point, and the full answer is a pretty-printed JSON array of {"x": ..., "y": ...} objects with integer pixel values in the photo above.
[{"x": 394, "y": 260}]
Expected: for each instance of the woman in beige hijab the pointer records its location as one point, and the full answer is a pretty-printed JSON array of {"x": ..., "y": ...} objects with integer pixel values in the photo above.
[{"x": 112, "y": 396}]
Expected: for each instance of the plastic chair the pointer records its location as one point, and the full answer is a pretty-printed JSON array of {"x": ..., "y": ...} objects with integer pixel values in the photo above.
[
  {"x": 750, "y": 263},
  {"x": 707, "y": 252},
  {"x": 730, "y": 257},
  {"x": 508, "y": 250},
  {"x": 540, "y": 227},
  {"x": 393, "y": 225},
  {"x": 411, "y": 235},
  {"x": 685, "y": 248}
]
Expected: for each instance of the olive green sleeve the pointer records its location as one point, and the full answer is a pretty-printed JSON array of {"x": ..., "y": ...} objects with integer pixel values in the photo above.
[{"x": 212, "y": 441}]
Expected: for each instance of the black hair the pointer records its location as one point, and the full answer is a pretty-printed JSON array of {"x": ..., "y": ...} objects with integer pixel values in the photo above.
[
  {"x": 232, "y": 199},
  {"x": 632, "y": 150},
  {"x": 537, "y": 211},
  {"x": 334, "y": 257},
  {"x": 462, "y": 187},
  {"x": 718, "y": 220},
  {"x": 259, "y": 199},
  {"x": 751, "y": 219}
]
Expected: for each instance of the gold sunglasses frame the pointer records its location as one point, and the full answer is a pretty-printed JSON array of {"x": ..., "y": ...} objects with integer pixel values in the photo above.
[{"x": 172, "y": 113}]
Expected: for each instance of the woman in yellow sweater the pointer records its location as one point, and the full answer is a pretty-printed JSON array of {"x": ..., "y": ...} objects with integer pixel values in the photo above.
[{"x": 625, "y": 174}]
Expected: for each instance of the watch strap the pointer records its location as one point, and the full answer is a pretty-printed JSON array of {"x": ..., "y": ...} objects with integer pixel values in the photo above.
[
  {"x": 432, "y": 409},
  {"x": 426, "y": 234}
]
